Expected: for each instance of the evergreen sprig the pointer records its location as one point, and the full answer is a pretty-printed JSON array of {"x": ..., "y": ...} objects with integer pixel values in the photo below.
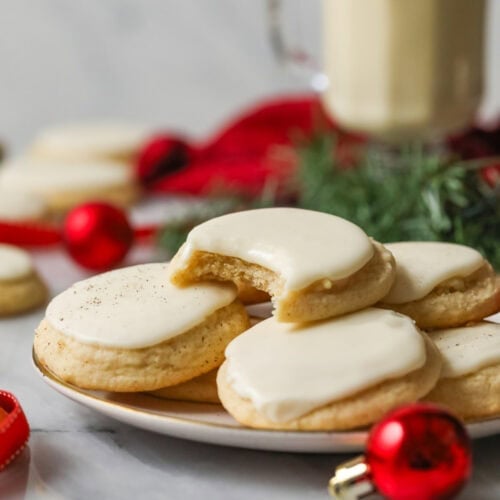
[{"x": 411, "y": 195}]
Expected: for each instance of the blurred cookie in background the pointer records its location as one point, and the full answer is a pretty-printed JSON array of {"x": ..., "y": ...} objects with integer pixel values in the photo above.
[
  {"x": 21, "y": 288},
  {"x": 62, "y": 186},
  {"x": 17, "y": 206},
  {"x": 100, "y": 140}
]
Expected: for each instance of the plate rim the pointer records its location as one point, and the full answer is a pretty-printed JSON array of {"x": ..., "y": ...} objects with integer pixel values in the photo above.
[
  {"x": 347, "y": 441},
  {"x": 46, "y": 373},
  {"x": 352, "y": 441}
]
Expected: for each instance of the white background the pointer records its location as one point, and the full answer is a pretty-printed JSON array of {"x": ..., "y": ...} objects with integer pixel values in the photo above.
[{"x": 180, "y": 64}]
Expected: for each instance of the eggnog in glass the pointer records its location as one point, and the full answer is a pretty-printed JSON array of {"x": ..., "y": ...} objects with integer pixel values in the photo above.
[{"x": 403, "y": 69}]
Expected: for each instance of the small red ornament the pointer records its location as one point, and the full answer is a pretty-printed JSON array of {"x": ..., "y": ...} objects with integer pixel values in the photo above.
[
  {"x": 491, "y": 175},
  {"x": 97, "y": 235},
  {"x": 162, "y": 155},
  {"x": 417, "y": 452},
  {"x": 14, "y": 429}
]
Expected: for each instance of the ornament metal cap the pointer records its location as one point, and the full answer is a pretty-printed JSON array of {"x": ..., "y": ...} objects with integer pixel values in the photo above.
[
  {"x": 351, "y": 480},
  {"x": 417, "y": 451}
]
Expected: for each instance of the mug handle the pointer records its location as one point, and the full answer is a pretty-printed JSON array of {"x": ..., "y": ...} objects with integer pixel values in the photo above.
[{"x": 293, "y": 57}]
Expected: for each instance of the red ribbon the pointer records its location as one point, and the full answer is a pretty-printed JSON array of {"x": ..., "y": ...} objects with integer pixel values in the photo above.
[
  {"x": 254, "y": 150},
  {"x": 14, "y": 429},
  {"x": 31, "y": 234}
]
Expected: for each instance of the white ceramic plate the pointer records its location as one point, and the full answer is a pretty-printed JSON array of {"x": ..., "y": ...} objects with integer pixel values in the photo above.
[{"x": 209, "y": 423}]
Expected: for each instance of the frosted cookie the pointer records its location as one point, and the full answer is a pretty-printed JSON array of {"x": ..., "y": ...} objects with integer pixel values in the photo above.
[
  {"x": 470, "y": 379},
  {"x": 130, "y": 330},
  {"x": 64, "y": 186},
  {"x": 441, "y": 285},
  {"x": 109, "y": 140},
  {"x": 313, "y": 265},
  {"x": 16, "y": 206},
  {"x": 336, "y": 374},
  {"x": 202, "y": 389},
  {"x": 21, "y": 289}
]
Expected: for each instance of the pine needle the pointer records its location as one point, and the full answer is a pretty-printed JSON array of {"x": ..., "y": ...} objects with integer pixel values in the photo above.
[{"x": 420, "y": 196}]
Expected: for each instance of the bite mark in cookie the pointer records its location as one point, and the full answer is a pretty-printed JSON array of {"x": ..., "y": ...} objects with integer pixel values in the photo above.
[{"x": 313, "y": 265}]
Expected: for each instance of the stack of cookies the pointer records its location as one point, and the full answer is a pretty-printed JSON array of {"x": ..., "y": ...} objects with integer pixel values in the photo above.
[
  {"x": 71, "y": 164},
  {"x": 345, "y": 342}
]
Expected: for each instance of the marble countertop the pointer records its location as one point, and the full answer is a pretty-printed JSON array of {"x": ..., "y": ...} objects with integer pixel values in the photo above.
[{"x": 75, "y": 453}]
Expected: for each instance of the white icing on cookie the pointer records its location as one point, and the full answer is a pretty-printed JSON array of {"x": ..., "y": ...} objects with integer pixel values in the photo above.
[
  {"x": 422, "y": 265},
  {"x": 90, "y": 140},
  {"x": 134, "y": 307},
  {"x": 18, "y": 206},
  {"x": 288, "y": 370},
  {"x": 301, "y": 245},
  {"x": 14, "y": 262},
  {"x": 43, "y": 177},
  {"x": 468, "y": 349}
]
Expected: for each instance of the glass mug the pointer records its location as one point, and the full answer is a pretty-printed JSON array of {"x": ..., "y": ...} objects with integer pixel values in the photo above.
[{"x": 397, "y": 69}]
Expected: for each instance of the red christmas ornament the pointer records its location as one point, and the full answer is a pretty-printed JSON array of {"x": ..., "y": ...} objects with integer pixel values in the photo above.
[
  {"x": 162, "y": 155},
  {"x": 491, "y": 175},
  {"x": 14, "y": 429},
  {"x": 97, "y": 235},
  {"x": 417, "y": 452}
]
